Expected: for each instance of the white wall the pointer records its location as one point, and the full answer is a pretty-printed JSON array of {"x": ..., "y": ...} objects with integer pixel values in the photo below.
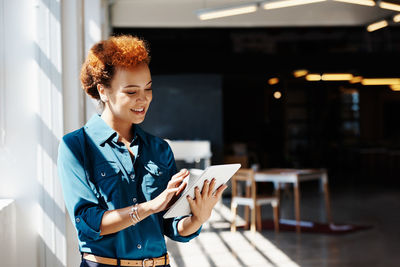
[
  {"x": 73, "y": 95},
  {"x": 83, "y": 24},
  {"x": 96, "y": 28},
  {"x": 18, "y": 155},
  {"x": 8, "y": 232},
  {"x": 41, "y": 50}
]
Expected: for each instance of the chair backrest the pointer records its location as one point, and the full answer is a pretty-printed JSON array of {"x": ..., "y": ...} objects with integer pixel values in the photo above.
[
  {"x": 246, "y": 176},
  {"x": 243, "y": 160}
]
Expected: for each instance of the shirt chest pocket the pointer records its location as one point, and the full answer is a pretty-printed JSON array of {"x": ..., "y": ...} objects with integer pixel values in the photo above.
[
  {"x": 107, "y": 178},
  {"x": 156, "y": 178}
]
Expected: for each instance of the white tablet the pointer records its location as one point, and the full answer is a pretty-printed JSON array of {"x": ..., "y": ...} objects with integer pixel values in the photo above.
[{"x": 222, "y": 173}]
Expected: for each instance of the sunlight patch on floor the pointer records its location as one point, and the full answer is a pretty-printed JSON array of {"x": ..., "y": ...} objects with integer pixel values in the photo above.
[{"x": 217, "y": 246}]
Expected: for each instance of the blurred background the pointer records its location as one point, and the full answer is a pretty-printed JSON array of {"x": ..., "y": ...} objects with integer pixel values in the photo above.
[{"x": 270, "y": 84}]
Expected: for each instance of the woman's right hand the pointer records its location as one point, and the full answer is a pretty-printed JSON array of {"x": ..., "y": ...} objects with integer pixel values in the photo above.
[
  {"x": 116, "y": 220},
  {"x": 174, "y": 188}
]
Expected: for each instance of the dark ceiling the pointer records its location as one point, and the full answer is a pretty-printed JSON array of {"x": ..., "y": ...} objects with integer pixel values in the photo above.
[{"x": 272, "y": 50}]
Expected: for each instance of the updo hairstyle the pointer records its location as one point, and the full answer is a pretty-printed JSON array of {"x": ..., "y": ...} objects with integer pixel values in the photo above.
[{"x": 124, "y": 51}]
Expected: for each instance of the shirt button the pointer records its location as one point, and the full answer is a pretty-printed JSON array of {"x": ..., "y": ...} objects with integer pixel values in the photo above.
[
  {"x": 77, "y": 220},
  {"x": 134, "y": 200},
  {"x": 132, "y": 176},
  {"x": 139, "y": 246}
]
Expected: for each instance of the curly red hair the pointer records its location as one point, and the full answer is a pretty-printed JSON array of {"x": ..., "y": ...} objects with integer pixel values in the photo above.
[{"x": 124, "y": 51}]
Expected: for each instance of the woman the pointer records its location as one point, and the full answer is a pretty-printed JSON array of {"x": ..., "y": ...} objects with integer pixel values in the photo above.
[{"x": 118, "y": 180}]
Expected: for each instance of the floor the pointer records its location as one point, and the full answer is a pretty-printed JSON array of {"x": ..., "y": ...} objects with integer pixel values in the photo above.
[{"x": 368, "y": 205}]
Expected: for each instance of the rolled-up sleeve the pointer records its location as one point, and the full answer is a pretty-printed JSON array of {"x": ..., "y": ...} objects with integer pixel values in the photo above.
[
  {"x": 80, "y": 200},
  {"x": 171, "y": 230},
  {"x": 171, "y": 224}
]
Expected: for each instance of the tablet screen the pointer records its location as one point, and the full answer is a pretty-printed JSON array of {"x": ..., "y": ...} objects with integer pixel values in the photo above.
[{"x": 222, "y": 173}]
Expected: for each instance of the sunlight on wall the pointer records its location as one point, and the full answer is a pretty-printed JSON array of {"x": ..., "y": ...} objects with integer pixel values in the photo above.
[
  {"x": 47, "y": 113},
  {"x": 94, "y": 31},
  {"x": 49, "y": 239},
  {"x": 46, "y": 179},
  {"x": 2, "y": 82}
]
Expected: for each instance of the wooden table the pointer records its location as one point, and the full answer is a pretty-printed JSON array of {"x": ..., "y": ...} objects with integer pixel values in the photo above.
[{"x": 295, "y": 176}]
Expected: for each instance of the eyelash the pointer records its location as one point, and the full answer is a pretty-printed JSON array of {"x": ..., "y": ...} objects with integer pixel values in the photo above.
[{"x": 132, "y": 93}]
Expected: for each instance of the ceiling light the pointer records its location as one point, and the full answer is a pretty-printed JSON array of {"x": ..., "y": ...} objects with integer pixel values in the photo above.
[
  {"x": 287, "y": 3},
  {"x": 214, "y": 13},
  {"x": 313, "y": 77},
  {"x": 273, "y": 81},
  {"x": 391, "y": 6},
  {"x": 277, "y": 95},
  {"x": 396, "y": 18},
  {"x": 336, "y": 76},
  {"x": 395, "y": 87},
  {"x": 358, "y": 2},
  {"x": 377, "y": 25},
  {"x": 356, "y": 79},
  {"x": 380, "y": 81},
  {"x": 300, "y": 73}
]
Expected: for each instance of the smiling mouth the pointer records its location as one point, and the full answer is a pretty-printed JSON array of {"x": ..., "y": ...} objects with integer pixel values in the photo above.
[{"x": 139, "y": 111}]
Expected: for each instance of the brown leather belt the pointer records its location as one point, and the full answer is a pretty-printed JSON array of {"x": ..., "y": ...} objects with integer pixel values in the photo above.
[{"x": 163, "y": 260}]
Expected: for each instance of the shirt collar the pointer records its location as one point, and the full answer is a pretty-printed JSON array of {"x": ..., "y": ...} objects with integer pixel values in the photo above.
[
  {"x": 142, "y": 134},
  {"x": 101, "y": 132}
]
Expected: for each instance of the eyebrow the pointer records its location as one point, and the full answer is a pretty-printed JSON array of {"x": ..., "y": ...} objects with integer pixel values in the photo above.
[{"x": 134, "y": 85}]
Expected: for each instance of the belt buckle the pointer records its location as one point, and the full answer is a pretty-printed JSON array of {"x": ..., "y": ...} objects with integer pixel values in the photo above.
[{"x": 144, "y": 261}]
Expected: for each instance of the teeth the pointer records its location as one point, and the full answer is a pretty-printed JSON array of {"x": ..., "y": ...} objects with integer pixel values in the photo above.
[{"x": 139, "y": 109}]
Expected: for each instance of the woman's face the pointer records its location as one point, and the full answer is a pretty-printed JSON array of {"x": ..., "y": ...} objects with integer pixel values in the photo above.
[{"x": 130, "y": 94}]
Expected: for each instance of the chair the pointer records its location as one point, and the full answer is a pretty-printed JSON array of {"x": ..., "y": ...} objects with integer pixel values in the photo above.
[
  {"x": 242, "y": 159},
  {"x": 251, "y": 199}
]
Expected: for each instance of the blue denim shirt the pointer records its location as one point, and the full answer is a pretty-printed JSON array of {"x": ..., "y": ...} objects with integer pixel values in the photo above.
[{"x": 97, "y": 174}]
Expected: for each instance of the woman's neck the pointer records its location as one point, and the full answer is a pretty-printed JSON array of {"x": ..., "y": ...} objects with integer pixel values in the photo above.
[{"x": 123, "y": 128}]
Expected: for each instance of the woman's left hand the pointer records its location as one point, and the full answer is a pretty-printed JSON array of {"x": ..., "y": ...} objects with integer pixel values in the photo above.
[{"x": 204, "y": 201}]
